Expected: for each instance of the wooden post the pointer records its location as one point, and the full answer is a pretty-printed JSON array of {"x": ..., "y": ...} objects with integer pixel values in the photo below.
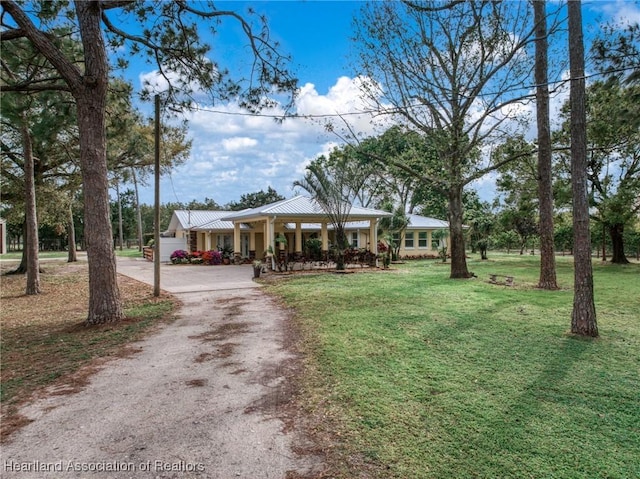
[{"x": 156, "y": 211}]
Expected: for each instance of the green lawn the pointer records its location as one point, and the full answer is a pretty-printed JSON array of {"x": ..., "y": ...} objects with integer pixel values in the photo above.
[
  {"x": 17, "y": 255},
  {"x": 413, "y": 375},
  {"x": 129, "y": 252}
]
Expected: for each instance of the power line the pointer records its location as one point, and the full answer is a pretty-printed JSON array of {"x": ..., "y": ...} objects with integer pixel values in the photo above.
[{"x": 310, "y": 116}]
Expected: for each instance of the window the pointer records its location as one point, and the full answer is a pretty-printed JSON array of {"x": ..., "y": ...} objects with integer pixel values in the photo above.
[
  {"x": 422, "y": 239},
  {"x": 408, "y": 240},
  {"x": 435, "y": 244},
  {"x": 354, "y": 239},
  {"x": 224, "y": 242},
  {"x": 396, "y": 240}
]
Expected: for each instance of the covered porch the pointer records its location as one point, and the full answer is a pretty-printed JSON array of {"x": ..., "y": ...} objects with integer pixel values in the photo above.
[{"x": 287, "y": 225}]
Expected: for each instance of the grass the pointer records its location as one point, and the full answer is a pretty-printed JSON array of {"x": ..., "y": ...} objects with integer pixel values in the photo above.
[
  {"x": 411, "y": 374},
  {"x": 17, "y": 255},
  {"x": 129, "y": 253},
  {"x": 45, "y": 340}
]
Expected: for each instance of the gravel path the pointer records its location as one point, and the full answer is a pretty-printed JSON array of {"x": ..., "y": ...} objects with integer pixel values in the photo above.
[{"x": 203, "y": 398}]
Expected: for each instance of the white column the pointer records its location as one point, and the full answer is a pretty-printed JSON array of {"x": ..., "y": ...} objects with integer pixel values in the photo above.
[
  {"x": 373, "y": 235},
  {"x": 298, "y": 241},
  {"x": 325, "y": 237}
]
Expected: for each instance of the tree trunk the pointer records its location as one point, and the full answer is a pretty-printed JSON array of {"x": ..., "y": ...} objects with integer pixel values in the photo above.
[
  {"x": 341, "y": 241},
  {"x": 604, "y": 242},
  {"x": 138, "y": 211},
  {"x": 456, "y": 248},
  {"x": 583, "y": 317},
  {"x": 71, "y": 234},
  {"x": 91, "y": 95},
  {"x": 616, "y": 232},
  {"x": 31, "y": 219},
  {"x": 545, "y": 190}
]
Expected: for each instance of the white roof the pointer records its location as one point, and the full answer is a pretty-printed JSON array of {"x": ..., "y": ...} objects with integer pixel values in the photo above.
[
  {"x": 425, "y": 222},
  {"x": 301, "y": 206},
  {"x": 199, "y": 220}
]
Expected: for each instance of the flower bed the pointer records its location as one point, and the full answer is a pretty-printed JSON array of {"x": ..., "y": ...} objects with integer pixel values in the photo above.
[{"x": 210, "y": 257}]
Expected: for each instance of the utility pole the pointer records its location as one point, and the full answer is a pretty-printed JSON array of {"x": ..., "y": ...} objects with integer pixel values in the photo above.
[{"x": 156, "y": 210}]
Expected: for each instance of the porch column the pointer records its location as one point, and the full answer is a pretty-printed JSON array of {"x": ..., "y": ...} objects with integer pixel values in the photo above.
[
  {"x": 298, "y": 241},
  {"x": 373, "y": 236},
  {"x": 324, "y": 234},
  {"x": 269, "y": 239},
  {"x": 237, "y": 241},
  {"x": 267, "y": 236}
]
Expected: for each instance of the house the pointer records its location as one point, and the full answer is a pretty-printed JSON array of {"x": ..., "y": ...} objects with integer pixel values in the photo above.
[
  {"x": 203, "y": 230},
  {"x": 256, "y": 232},
  {"x": 417, "y": 239},
  {"x": 259, "y": 232}
]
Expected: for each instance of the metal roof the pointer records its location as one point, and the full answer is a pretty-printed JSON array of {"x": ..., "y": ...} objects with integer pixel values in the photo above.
[
  {"x": 219, "y": 225},
  {"x": 425, "y": 222},
  {"x": 300, "y": 206},
  {"x": 194, "y": 219}
]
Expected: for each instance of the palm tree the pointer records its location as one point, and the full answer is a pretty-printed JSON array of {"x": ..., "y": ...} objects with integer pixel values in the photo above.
[{"x": 329, "y": 187}]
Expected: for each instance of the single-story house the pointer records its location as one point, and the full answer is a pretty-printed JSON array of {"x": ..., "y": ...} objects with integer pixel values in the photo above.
[
  {"x": 417, "y": 239},
  {"x": 254, "y": 233}
]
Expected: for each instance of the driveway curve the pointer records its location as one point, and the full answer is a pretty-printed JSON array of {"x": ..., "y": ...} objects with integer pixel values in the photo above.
[{"x": 202, "y": 398}]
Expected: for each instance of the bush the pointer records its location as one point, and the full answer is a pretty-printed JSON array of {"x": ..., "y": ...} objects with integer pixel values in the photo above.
[
  {"x": 212, "y": 257},
  {"x": 179, "y": 256}
]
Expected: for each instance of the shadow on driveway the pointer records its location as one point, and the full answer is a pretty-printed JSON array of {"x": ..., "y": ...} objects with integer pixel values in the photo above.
[{"x": 187, "y": 278}]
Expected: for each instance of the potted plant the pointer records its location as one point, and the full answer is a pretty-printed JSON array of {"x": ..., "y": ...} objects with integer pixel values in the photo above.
[
  {"x": 257, "y": 268},
  {"x": 226, "y": 253}
]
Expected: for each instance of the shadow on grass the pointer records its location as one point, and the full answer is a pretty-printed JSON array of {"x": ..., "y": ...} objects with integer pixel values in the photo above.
[{"x": 553, "y": 426}]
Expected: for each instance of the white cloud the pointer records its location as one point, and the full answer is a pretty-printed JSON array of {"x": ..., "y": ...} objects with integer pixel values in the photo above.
[
  {"x": 235, "y": 153},
  {"x": 238, "y": 143},
  {"x": 622, "y": 11},
  {"x": 157, "y": 81}
]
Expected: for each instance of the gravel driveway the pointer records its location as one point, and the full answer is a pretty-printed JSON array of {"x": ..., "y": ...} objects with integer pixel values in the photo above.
[{"x": 203, "y": 397}]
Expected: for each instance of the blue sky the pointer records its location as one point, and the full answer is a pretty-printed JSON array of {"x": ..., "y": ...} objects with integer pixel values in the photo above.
[{"x": 234, "y": 154}]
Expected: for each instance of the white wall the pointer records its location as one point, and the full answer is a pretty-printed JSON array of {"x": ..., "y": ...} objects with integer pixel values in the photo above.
[{"x": 169, "y": 245}]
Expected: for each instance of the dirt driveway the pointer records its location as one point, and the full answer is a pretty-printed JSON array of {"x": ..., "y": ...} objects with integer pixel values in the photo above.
[{"x": 203, "y": 398}]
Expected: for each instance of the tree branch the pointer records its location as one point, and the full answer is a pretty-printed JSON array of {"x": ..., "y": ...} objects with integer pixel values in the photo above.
[
  {"x": 109, "y": 4},
  {"x": 70, "y": 72},
  {"x": 28, "y": 87},
  {"x": 494, "y": 166},
  {"x": 12, "y": 34},
  {"x": 423, "y": 8}
]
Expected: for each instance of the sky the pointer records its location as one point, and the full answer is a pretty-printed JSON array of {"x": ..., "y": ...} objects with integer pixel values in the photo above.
[{"x": 234, "y": 153}]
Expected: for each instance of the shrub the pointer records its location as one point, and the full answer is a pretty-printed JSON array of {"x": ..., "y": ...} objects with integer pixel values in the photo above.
[
  {"x": 212, "y": 257},
  {"x": 179, "y": 256}
]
